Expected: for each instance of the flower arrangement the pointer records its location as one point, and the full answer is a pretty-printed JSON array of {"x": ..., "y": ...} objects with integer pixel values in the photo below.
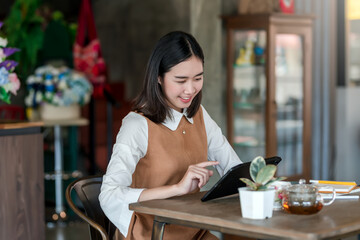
[
  {"x": 262, "y": 175},
  {"x": 9, "y": 82},
  {"x": 60, "y": 86}
]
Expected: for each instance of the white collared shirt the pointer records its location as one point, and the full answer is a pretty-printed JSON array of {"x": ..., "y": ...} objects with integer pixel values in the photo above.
[{"x": 131, "y": 145}]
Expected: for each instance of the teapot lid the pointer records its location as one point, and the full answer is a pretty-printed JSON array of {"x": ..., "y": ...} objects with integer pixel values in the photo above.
[{"x": 302, "y": 187}]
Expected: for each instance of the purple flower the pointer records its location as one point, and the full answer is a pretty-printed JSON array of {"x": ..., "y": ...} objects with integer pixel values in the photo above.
[
  {"x": 9, "y": 51},
  {"x": 1, "y": 23},
  {"x": 8, "y": 64}
]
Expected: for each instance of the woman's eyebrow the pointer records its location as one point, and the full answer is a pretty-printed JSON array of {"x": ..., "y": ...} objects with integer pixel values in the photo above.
[
  {"x": 184, "y": 77},
  {"x": 199, "y": 74}
]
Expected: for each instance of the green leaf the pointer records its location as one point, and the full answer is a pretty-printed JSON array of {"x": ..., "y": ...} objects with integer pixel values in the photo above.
[
  {"x": 249, "y": 183},
  {"x": 280, "y": 179},
  {"x": 255, "y": 166},
  {"x": 23, "y": 30},
  {"x": 263, "y": 187},
  {"x": 265, "y": 174},
  {"x": 4, "y": 96},
  {"x": 274, "y": 180}
]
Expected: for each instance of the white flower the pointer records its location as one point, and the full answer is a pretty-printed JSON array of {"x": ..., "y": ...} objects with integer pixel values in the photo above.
[
  {"x": 57, "y": 100},
  {"x": 28, "y": 99},
  {"x": 30, "y": 79},
  {"x": 38, "y": 97},
  {"x": 38, "y": 79},
  {"x": 62, "y": 85},
  {"x": 3, "y": 42},
  {"x": 54, "y": 71},
  {"x": 2, "y": 55},
  {"x": 87, "y": 98}
]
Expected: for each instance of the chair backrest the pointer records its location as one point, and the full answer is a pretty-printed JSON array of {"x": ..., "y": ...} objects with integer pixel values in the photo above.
[{"x": 87, "y": 190}]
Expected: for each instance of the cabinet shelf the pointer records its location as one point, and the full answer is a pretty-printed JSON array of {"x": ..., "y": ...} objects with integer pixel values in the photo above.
[
  {"x": 248, "y": 106},
  {"x": 249, "y": 66},
  {"x": 269, "y": 91},
  {"x": 249, "y": 144}
]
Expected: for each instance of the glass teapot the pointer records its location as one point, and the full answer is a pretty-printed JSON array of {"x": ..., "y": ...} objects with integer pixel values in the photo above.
[{"x": 305, "y": 199}]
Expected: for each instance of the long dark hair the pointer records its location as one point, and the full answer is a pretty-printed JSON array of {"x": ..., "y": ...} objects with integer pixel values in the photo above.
[{"x": 172, "y": 49}]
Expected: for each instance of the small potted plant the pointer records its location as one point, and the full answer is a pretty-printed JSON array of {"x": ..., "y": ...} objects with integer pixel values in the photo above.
[{"x": 257, "y": 198}]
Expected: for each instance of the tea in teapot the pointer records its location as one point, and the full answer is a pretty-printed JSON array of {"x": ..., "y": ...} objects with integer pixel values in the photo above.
[{"x": 304, "y": 199}]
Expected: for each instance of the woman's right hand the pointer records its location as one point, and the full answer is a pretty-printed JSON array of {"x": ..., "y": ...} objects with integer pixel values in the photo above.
[{"x": 196, "y": 176}]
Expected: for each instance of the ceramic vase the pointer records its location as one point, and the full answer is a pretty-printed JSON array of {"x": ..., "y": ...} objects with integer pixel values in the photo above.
[
  {"x": 256, "y": 204},
  {"x": 52, "y": 112}
]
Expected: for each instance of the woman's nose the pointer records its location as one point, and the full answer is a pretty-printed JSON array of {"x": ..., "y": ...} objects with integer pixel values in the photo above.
[{"x": 189, "y": 88}]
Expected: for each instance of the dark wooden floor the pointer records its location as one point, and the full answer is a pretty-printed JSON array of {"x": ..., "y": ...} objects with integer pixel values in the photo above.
[
  {"x": 73, "y": 228},
  {"x": 69, "y": 231}
]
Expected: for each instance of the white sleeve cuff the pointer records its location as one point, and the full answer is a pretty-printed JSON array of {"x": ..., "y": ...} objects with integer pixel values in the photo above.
[{"x": 125, "y": 218}]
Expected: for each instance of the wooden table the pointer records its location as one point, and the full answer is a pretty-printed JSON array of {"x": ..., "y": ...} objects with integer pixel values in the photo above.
[{"x": 340, "y": 219}]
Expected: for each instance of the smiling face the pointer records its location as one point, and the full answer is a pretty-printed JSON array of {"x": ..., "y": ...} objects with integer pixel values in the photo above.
[{"x": 182, "y": 83}]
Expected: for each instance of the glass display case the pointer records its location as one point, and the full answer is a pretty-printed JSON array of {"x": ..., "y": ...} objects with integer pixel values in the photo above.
[
  {"x": 352, "y": 37},
  {"x": 269, "y": 89}
]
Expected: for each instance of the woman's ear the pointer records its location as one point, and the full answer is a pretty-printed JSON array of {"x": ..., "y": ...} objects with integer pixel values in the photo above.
[{"x": 159, "y": 80}]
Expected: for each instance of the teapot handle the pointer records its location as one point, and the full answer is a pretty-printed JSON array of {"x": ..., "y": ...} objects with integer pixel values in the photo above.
[{"x": 332, "y": 198}]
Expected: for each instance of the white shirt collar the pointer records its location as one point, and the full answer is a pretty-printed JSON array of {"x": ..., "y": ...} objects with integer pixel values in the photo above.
[{"x": 173, "y": 123}]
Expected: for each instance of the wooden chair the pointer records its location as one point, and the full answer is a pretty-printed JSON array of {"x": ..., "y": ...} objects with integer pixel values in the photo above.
[{"x": 87, "y": 190}]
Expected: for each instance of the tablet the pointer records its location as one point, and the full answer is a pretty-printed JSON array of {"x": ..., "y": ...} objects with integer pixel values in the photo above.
[{"x": 230, "y": 182}]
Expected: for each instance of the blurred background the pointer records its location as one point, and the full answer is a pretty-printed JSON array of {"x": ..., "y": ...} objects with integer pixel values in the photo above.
[{"x": 287, "y": 86}]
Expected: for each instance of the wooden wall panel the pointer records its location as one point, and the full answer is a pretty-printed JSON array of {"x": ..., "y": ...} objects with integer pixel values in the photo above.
[{"x": 22, "y": 214}]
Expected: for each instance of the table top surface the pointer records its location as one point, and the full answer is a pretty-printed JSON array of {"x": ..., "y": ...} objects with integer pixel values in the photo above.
[
  {"x": 19, "y": 124},
  {"x": 341, "y": 218},
  {"x": 43, "y": 123}
]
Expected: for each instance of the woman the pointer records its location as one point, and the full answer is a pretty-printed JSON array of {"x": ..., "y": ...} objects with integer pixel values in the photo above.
[{"x": 165, "y": 144}]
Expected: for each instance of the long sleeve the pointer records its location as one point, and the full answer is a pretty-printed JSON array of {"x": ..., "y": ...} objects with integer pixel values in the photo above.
[
  {"x": 219, "y": 148},
  {"x": 130, "y": 147}
]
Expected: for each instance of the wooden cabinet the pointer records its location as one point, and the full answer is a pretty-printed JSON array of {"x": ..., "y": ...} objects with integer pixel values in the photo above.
[
  {"x": 22, "y": 207},
  {"x": 269, "y": 89}
]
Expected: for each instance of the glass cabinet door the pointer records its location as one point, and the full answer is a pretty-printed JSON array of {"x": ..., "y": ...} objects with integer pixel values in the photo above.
[
  {"x": 249, "y": 93},
  {"x": 269, "y": 89},
  {"x": 289, "y": 102}
]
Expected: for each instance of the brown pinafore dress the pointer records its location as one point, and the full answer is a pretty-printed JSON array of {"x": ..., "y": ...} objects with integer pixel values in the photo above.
[{"x": 167, "y": 159}]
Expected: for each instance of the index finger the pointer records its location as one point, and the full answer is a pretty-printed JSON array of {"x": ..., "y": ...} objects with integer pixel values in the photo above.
[{"x": 207, "y": 163}]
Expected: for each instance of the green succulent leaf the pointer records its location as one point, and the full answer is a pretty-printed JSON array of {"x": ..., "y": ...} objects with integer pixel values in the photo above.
[
  {"x": 263, "y": 187},
  {"x": 265, "y": 174},
  {"x": 279, "y": 179},
  {"x": 274, "y": 180},
  {"x": 255, "y": 166},
  {"x": 249, "y": 183}
]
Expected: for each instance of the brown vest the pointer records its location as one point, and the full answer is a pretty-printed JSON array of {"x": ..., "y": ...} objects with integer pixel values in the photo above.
[{"x": 168, "y": 156}]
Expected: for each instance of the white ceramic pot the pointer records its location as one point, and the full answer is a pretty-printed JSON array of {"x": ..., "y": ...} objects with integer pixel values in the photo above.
[
  {"x": 52, "y": 112},
  {"x": 256, "y": 204}
]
